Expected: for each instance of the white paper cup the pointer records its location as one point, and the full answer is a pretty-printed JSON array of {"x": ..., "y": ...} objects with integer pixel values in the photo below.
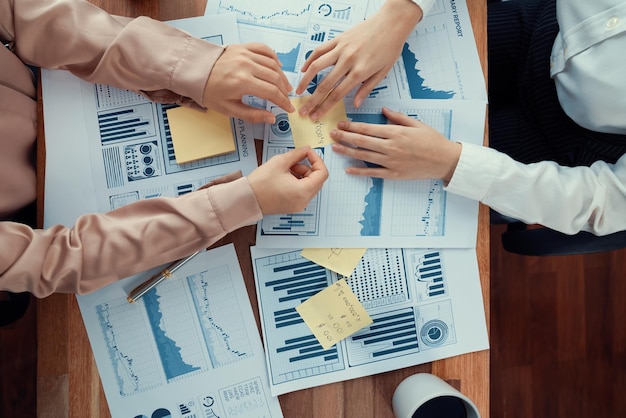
[{"x": 424, "y": 395}]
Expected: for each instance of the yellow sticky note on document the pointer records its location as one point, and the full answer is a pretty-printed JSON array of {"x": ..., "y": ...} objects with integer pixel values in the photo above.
[
  {"x": 197, "y": 134},
  {"x": 306, "y": 131},
  {"x": 333, "y": 314},
  {"x": 339, "y": 260}
]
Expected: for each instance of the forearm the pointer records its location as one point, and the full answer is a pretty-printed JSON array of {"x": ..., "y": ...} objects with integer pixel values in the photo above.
[
  {"x": 101, "y": 48},
  {"x": 567, "y": 199},
  {"x": 102, "y": 248}
]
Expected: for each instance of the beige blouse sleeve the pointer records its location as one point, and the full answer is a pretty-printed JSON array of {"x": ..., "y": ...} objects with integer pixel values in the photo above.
[
  {"x": 102, "y": 248},
  {"x": 142, "y": 54}
]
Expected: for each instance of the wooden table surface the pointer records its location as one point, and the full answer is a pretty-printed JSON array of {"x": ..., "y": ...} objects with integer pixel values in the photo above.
[{"x": 68, "y": 384}]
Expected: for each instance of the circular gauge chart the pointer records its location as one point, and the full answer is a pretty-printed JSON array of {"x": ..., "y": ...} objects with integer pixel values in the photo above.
[{"x": 434, "y": 333}]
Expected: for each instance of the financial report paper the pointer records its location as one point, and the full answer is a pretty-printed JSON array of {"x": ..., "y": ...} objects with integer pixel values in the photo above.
[
  {"x": 114, "y": 146},
  {"x": 426, "y": 305},
  {"x": 356, "y": 212},
  {"x": 437, "y": 79},
  {"x": 189, "y": 348}
]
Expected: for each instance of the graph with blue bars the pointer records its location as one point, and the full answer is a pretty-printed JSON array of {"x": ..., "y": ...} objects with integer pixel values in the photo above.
[
  {"x": 392, "y": 334},
  {"x": 177, "y": 330},
  {"x": 302, "y": 223},
  {"x": 404, "y": 291},
  {"x": 284, "y": 281},
  {"x": 429, "y": 275},
  {"x": 380, "y": 280},
  {"x": 126, "y": 123}
]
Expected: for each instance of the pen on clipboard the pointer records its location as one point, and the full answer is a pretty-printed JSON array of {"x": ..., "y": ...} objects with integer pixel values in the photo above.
[{"x": 153, "y": 281}]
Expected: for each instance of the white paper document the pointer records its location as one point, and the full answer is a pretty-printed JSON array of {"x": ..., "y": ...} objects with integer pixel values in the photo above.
[
  {"x": 355, "y": 212},
  {"x": 188, "y": 348},
  {"x": 107, "y": 147},
  {"x": 425, "y": 305},
  {"x": 191, "y": 347},
  {"x": 437, "y": 79},
  {"x": 286, "y": 27},
  {"x": 439, "y": 59}
]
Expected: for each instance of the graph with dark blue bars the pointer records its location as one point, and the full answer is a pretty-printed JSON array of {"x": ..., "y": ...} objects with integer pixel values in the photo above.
[
  {"x": 304, "y": 223},
  {"x": 284, "y": 281},
  {"x": 301, "y": 223},
  {"x": 379, "y": 280},
  {"x": 393, "y": 333},
  {"x": 130, "y": 123},
  {"x": 429, "y": 275}
]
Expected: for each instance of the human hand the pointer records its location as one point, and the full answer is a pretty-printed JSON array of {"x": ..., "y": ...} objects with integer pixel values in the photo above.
[
  {"x": 286, "y": 185},
  {"x": 359, "y": 55},
  {"x": 409, "y": 149},
  {"x": 247, "y": 69}
]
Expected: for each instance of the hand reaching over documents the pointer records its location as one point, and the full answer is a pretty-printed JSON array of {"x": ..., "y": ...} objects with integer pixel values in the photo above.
[
  {"x": 286, "y": 184},
  {"x": 360, "y": 55},
  {"x": 247, "y": 69}
]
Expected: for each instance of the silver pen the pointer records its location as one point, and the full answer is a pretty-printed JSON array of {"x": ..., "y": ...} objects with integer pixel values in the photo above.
[{"x": 153, "y": 281}]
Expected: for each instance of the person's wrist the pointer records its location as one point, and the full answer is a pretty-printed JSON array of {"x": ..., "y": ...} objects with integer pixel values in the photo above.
[
  {"x": 452, "y": 156},
  {"x": 407, "y": 11}
]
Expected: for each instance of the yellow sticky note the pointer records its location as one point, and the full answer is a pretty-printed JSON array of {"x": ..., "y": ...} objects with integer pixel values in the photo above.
[
  {"x": 306, "y": 131},
  {"x": 333, "y": 314},
  {"x": 339, "y": 260},
  {"x": 197, "y": 134}
]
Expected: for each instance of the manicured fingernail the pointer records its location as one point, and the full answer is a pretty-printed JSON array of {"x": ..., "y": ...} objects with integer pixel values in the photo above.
[
  {"x": 342, "y": 125},
  {"x": 303, "y": 111},
  {"x": 315, "y": 116}
]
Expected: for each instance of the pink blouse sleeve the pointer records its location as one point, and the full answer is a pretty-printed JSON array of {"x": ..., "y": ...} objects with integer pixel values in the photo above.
[
  {"x": 102, "y": 248},
  {"x": 144, "y": 55}
]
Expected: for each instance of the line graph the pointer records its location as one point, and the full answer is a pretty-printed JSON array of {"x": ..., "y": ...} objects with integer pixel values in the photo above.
[
  {"x": 278, "y": 14},
  {"x": 429, "y": 64},
  {"x": 219, "y": 313},
  {"x": 179, "y": 329},
  {"x": 132, "y": 360},
  {"x": 353, "y": 204}
]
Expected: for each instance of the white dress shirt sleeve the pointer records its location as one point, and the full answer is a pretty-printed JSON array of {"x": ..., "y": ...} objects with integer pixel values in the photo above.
[
  {"x": 567, "y": 199},
  {"x": 425, "y": 5},
  {"x": 588, "y": 62}
]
